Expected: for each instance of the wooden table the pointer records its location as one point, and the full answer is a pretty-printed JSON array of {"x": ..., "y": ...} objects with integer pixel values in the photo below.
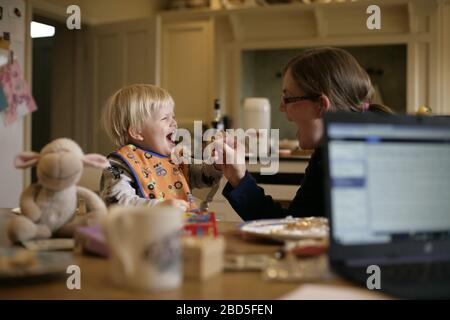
[{"x": 95, "y": 282}]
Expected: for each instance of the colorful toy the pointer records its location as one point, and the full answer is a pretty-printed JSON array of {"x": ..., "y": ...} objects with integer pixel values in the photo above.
[{"x": 200, "y": 224}]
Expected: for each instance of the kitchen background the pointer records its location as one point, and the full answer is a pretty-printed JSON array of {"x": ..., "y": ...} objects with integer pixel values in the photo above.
[
  {"x": 386, "y": 65},
  {"x": 230, "y": 52},
  {"x": 202, "y": 50}
]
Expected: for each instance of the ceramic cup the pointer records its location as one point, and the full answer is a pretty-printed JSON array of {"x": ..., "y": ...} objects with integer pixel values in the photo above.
[{"x": 144, "y": 245}]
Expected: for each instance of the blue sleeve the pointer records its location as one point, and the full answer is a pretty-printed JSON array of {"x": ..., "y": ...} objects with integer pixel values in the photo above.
[{"x": 250, "y": 201}]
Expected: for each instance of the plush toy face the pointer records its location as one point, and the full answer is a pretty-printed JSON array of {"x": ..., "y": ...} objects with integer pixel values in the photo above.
[
  {"x": 57, "y": 171},
  {"x": 60, "y": 163}
]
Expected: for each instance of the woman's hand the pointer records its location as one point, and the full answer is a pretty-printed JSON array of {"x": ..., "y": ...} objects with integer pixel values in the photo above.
[{"x": 230, "y": 159}]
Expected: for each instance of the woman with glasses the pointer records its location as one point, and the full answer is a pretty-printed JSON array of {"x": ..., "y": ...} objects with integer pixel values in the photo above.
[{"x": 315, "y": 82}]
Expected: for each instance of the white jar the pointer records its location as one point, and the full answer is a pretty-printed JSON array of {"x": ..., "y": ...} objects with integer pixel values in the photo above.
[
  {"x": 257, "y": 117},
  {"x": 256, "y": 113}
]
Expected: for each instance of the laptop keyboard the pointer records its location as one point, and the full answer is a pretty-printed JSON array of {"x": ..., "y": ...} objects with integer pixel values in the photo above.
[
  {"x": 410, "y": 281},
  {"x": 416, "y": 273}
]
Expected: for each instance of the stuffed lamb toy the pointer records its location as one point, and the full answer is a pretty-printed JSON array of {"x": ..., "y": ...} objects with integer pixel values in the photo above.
[{"x": 48, "y": 207}]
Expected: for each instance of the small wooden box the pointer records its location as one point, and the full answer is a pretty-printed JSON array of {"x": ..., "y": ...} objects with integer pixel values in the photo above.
[{"x": 203, "y": 257}]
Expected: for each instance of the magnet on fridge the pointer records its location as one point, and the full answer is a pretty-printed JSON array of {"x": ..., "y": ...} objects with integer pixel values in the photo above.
[
  {"x": 3, "y": 100},
  {"x": 15, "y": 12}
]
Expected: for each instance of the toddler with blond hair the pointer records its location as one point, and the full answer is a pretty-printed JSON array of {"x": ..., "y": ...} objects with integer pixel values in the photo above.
[{"x": 140, "y": 121}]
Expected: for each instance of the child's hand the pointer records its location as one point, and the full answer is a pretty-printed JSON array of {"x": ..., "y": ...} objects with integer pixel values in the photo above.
[{"x": 180, "y": 204}]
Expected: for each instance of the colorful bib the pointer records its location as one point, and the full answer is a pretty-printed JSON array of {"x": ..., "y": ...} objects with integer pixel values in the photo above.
[{"x": 156, "y": 176}]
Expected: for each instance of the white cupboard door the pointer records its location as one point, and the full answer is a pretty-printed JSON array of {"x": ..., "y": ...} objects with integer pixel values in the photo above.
[
  {"x": 187, "y": 69},
  {"x": 123, "y": 54}
]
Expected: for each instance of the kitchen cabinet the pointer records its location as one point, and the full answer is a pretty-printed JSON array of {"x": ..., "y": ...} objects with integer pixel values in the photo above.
[
  {"x": 186, "y": 59},
  {"x": 222, "y": 36},
  {"x": 121, "y": 54}
]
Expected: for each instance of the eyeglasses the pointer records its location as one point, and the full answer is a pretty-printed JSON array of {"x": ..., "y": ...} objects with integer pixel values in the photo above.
[{"x": 287, "y": 100}]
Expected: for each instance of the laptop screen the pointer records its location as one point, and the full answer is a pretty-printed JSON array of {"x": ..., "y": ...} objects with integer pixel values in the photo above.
[{"x": 389, "y": 183}]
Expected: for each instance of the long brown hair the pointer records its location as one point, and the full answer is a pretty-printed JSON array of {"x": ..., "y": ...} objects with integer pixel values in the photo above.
[{"x": 335, "y": 73}]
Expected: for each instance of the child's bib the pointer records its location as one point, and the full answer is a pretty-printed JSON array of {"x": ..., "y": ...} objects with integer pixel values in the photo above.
[{"x": 156, "y": 176}]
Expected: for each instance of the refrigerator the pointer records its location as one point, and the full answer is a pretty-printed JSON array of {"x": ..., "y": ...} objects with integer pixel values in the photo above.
[{"x": 12, "y": 138}]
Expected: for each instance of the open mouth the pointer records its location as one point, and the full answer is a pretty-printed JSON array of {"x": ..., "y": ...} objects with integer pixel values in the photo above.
[{"x": 171, "y": 138}]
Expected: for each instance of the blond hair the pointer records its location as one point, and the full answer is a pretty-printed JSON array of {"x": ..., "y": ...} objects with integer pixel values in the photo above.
[{"x": 130, "y": 107}]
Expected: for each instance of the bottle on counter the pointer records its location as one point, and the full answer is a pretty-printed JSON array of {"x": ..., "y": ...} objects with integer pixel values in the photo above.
[{"x": 217, "y": 123}]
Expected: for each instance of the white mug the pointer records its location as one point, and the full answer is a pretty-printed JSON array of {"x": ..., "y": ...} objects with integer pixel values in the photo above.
[{"x": 144, "y": 245}]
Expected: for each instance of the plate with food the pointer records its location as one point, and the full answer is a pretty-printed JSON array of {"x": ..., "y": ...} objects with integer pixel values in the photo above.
[
  {"x": 19, "y": 263},
  {"x": 287, "y": 229}
]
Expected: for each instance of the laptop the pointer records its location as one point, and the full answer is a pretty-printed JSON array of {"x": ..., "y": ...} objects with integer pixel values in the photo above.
[{"x": 388, "y": 202}]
